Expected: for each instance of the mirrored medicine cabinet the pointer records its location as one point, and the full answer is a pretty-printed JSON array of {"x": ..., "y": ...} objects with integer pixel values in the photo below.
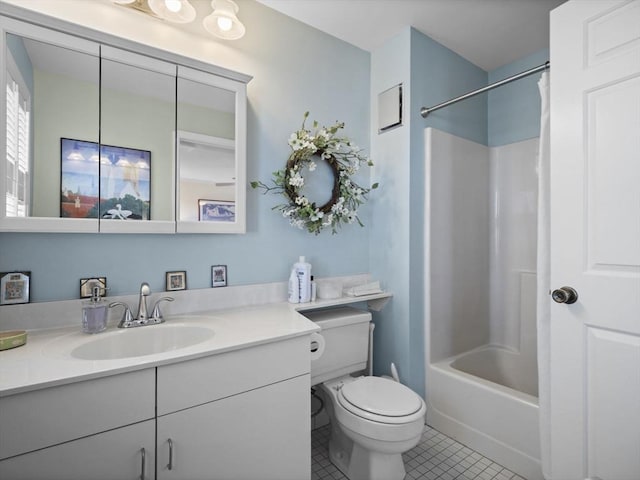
[{"x": 102, "y": 138}]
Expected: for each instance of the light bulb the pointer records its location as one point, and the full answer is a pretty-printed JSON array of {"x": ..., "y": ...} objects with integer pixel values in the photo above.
[
  {"x": 225, "y": 23},
  {"x": 173, "y": 5}
]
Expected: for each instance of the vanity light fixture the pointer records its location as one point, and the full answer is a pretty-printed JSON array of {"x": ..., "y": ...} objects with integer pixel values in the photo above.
[
  {"x": 222, "y": 23},
  {"x": 176, "y": 11}
]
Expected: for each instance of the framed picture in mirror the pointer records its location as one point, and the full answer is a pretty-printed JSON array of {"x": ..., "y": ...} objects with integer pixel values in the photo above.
[
  {"x": 216, "y": 211},
  {"x": 125, "y": 183},
  {"x": 79, "y": 173},
  {"x": 104, "y": 181}
]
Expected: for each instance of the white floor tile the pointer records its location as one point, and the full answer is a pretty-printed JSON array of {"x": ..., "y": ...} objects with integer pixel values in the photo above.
[{"x": 436, "y": 457}]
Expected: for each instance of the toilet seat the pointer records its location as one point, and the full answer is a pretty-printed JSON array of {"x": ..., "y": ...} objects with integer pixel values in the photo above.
[{"x": 381, "y": 400}]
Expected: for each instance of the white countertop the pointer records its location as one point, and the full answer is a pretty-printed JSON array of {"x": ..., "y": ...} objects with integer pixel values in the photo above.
[{"x": 46, "y": 360}]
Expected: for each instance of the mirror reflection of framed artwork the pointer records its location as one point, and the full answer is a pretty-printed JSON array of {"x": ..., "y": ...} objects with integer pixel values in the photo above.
[
  {"x": 104, "y": 181},
  {"x": 79, "y": 186},
  {"x": 216, "y": 211}
]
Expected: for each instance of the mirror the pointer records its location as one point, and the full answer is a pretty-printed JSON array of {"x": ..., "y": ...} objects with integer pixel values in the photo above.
[
  {"x": 104, "y": 139},
  {"x": 207, "y": 178},
  {"x": 52, "y": 93},
  {"x": 210, "y": 168},
  {"x": 137, "y": 128}
]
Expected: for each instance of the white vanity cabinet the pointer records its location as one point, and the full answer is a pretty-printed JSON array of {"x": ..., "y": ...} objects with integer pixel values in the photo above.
[
  {"x": 123, "y": 453},
  {"x": 243, "y": 414},
  {"x": 241, "y": 411},
  {"x": 90, "y": 429}
]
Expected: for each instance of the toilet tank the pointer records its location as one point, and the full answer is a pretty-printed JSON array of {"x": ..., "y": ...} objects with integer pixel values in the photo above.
[{"x": 346, "y": 334}]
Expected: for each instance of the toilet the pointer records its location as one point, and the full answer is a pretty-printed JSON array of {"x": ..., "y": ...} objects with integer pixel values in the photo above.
[{"x": 373, "y": 420}]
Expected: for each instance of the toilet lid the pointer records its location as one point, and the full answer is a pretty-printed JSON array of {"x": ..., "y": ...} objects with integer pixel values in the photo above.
[{"x": 380, "y": 396}]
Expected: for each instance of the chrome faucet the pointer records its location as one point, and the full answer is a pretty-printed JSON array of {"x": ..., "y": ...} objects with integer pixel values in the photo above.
[
  {"x": 145, "y": 291},
  {"x": 142, "y": 318}
]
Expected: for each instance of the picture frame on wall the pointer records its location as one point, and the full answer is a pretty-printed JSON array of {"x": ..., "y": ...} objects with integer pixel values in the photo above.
[
  {"x": 219, "y": 276},
  {"x": 87, "y": 285},
  {"x": 176, "y": 281},
  {"x": 14, "y": 287}
]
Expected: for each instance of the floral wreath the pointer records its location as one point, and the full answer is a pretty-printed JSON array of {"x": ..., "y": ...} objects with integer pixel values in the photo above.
[{"x": 343, "y": 157}]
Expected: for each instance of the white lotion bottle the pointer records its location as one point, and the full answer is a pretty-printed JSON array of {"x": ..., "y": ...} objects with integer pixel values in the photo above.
[
  {"x": 294, "y": 287},
  {"x": 303, "y": 272}
]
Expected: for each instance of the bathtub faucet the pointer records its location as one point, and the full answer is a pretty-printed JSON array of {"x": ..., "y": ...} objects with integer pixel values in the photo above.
[{"x": 142, "y": 318}]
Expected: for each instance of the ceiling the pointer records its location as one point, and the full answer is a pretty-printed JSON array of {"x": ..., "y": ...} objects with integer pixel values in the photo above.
[{"x": 488, "y": 33}]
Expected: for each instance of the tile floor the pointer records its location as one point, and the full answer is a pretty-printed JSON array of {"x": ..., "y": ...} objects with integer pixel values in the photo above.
[{"x": 436, "y": 457}]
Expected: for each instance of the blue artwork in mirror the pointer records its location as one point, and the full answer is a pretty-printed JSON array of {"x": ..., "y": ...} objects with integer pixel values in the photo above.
[{"x": 122, "y": 191}]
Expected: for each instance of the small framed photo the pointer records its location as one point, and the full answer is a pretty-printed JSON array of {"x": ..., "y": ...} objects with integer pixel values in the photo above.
[
  {"x": 176, "y": 281},
  {"x": 216, "y": 211},
  {"x": 14, "y": 287},
  {"x": 219, "y": 276},
  {"x": 87, "y": 285}
]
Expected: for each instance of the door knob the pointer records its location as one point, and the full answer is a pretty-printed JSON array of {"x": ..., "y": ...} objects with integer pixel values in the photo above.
[{"x": 565, "y": 295}]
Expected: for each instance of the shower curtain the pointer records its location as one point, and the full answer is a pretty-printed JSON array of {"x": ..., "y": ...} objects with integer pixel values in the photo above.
[{"x": 543, "y": 306}]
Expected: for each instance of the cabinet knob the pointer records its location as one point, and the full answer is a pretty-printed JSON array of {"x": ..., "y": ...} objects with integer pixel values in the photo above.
[
  {"x": 565, "y": 295},
  {"x": 143, "y": 470},
  {"x": 170, "y": 464}
]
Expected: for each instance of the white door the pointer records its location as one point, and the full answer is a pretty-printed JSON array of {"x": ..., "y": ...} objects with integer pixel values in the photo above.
[{"x": 595, "y": 239}]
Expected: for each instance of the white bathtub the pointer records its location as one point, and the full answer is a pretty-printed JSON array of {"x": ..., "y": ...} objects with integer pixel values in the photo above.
[{"x": 488, "y": 414}]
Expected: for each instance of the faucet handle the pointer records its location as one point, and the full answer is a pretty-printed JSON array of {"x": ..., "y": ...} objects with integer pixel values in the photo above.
[
  {"x": 156, "y": 314},
  {"x": 127, "y": 317}
]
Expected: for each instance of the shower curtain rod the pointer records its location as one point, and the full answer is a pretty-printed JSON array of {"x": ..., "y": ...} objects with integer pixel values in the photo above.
[{"x": 424, "y": 111}]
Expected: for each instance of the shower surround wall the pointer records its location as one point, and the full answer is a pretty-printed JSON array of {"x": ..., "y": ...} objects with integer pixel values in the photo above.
[
  {"x": 481, "y": 373},
  {"x": 482, "y": 227}
]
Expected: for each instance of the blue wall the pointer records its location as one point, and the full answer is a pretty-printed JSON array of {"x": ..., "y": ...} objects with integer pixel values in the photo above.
[
  {"x": 514, "y": 109},
  {"x": 431, "y": 74},
  {"x": 295, "y": 68},
  {"x": 391, "y": 223}
]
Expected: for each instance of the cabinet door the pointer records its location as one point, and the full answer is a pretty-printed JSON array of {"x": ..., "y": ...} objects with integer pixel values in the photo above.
[
  {"x": 123, "y": 453},
  {"x": 50, "y": 116},
  {"x": 262, "y": 434},
  {"x": 137, "y": 137}
]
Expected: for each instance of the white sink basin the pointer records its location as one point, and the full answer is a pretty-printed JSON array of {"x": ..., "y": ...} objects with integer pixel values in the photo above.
[{"x": 141, "y": 341}]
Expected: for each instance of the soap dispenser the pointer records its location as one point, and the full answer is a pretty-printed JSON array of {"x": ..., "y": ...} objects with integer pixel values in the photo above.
[{"x": 94, "y": 313}]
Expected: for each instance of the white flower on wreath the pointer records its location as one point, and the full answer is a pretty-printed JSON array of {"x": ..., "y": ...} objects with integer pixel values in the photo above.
[
  {"x": 294, "y": 142},
  {"x": 317, "y": 215},
  {"x": 296, "y": 180}
]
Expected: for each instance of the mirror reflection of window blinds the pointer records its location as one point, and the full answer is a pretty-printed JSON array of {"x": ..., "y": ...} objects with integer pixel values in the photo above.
[{"x": 17, "y": 141}]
